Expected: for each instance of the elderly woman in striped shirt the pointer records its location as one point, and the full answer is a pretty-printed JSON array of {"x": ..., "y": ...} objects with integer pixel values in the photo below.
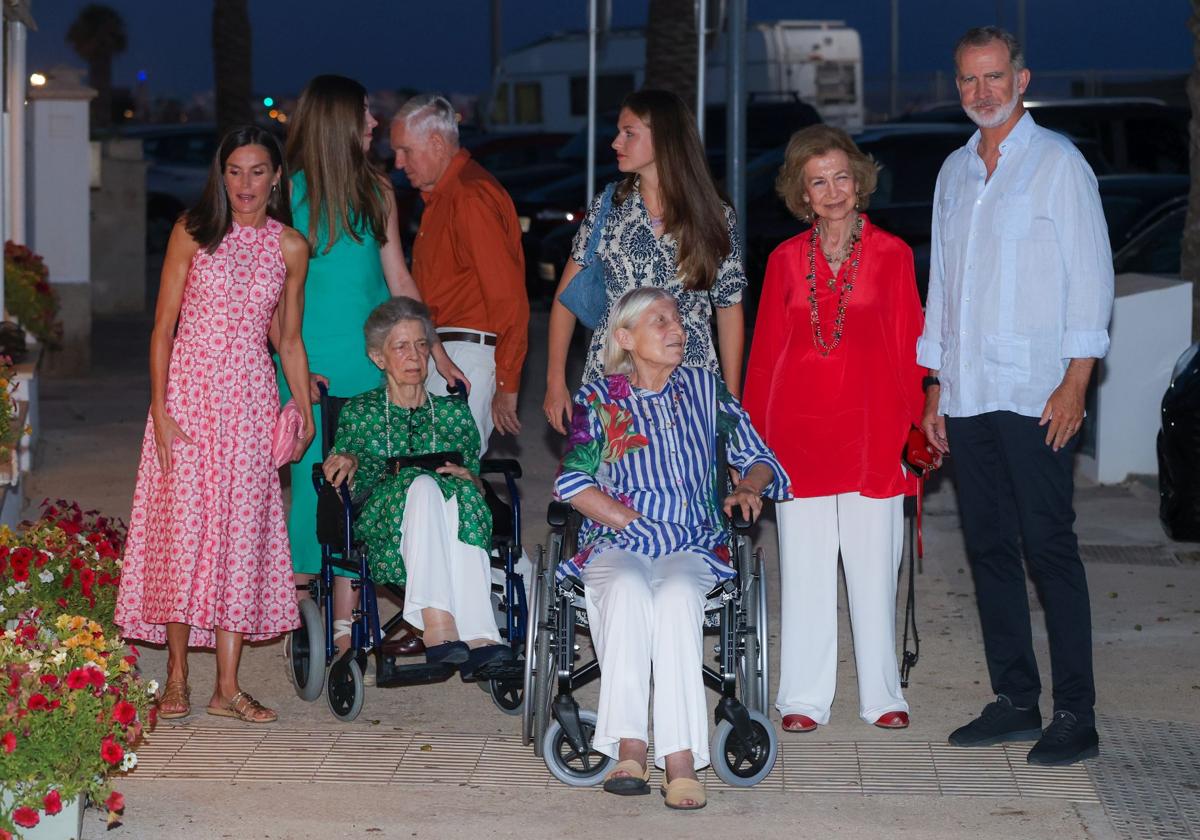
[{"x": 641, "y": 468}]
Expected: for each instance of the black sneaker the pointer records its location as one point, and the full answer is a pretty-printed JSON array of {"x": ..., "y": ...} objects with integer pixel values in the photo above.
[
  {"x": 999, "y": 721},
  {"x": 1065, "y": 741}
]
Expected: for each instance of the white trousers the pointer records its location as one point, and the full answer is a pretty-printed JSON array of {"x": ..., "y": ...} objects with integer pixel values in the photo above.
[
  {"x": 645, "y": 612},
  {"x": 869, "y": 534},
  {"x": 478, "y": 363},
  {"x": 443, "y": 573}
]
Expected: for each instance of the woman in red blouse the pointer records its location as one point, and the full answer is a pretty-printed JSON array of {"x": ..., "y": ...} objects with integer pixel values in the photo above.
[{"x": 834, "y": 386}]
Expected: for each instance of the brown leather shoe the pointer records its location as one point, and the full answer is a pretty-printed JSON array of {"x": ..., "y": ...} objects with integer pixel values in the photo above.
[{"x": 407, "y": 644}]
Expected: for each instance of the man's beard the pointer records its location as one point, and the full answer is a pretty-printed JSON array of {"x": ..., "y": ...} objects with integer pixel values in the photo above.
[{"x": 1000, "y": 116}]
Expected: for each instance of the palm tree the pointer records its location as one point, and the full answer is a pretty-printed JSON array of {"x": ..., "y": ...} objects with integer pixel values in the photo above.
[
  {"x": 671, "y": 47},
  {"x": 1190, "y": 268},
  {"x": 231, "y": 42},
  {"x": 98, "y": 34}
]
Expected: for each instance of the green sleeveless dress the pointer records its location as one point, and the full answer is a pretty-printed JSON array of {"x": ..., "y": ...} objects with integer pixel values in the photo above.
[{"x": 343, "y": 286}]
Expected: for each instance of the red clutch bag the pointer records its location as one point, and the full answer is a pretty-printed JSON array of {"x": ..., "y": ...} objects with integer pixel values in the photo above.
[{"x": 919, "y": 455}]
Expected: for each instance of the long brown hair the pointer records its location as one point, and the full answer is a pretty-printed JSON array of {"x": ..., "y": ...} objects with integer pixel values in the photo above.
[
  {"x": 325, "y": 143},
  {"x": 692, "y": 209},
  {"x": 210, "y": 219}
]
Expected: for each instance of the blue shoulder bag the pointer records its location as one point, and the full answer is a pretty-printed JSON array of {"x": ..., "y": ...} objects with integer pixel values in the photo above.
[{"x": 587, "y": 294}]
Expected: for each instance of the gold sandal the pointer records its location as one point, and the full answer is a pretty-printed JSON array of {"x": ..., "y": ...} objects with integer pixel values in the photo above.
[
  {"x": 177, "y": 694},
  {"x": 243, "y": 707},
  {"x": 634, "y": 783},
  {"x": 678, "y": 791}
]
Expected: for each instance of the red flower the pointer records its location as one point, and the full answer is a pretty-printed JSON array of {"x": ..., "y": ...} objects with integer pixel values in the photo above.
[
  {"x": 124, "y": 713},
  {"x": 52, "y": 804},
  {"x": 25, "y": 817},
  {"x": 49, "y": 679},
  {"x": 78, "y": 679},
  {"x": 95, "y": 677},
  {"x": 22, "y": 556},
  {"x": 9, "y": 741},
  {"x": 67, "y": 580},
  {"x": 62, "y": 602},
  {"x": 3, "y": 551},
  {"x": 70, "y": 527},
  {"x": 76, "y": 563},
  {"x": 115, "y": 802},
  {"x": 5, "y": 835},
  {"x": 20, "y": 574},
  {"x": 38, "y": 702},
  {"x": 111, "y": 752},
  {"x": 40, "y": 559}
]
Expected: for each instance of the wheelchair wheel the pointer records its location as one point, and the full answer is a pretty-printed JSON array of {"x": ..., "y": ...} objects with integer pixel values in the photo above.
[
  {"x": 345, "y": 688},
  {"x": 744, "y": 764},
  {"x": 306, "y": 652},
  {"x": 507, "y": 696},
  {"x": 566, "y": 763},
  {"x": 753, "y": 672}
]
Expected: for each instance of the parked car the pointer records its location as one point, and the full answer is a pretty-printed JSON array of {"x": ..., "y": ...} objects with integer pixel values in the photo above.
[
  {"x": 1134, "y": 134},
  {"x": 1156, "y": 247},
  {"x": 179, "y": 157}
]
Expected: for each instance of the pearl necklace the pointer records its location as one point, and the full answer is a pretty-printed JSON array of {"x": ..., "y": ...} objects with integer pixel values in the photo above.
[
  {"x": 854, "y": 256},
  {"x": 387, "y": 422}
]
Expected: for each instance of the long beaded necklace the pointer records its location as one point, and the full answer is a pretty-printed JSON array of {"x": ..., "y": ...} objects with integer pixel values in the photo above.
[
  {"x": 839, "y": 321},
  {"x": 387, "y": 422},
  {"x": 650, "y": 414}
]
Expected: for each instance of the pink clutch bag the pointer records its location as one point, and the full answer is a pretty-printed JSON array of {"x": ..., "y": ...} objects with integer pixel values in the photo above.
[{"x": 287, "y": 431}]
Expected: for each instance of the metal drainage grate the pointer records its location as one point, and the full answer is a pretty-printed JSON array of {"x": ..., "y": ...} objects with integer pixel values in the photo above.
[
  {"x": 1148, "y": 777},
  {"x": 1134, "y": 555},
  {"x": 399, "y": 756}
]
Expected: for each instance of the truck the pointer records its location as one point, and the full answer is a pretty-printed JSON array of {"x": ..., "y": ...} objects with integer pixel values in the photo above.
[{"x": 543, "y": 86}]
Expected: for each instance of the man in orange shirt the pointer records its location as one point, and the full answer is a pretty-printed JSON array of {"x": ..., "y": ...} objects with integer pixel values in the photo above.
[{"x": 467, "y": 261}]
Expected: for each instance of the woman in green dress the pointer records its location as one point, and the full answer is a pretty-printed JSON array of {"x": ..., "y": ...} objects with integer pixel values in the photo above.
[
  {"x": 429, "y": 530},
  {"x": 347, "y": 211}
]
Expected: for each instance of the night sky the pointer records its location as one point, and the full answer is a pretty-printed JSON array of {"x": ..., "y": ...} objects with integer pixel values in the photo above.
[{"x": 445, "y": 45}]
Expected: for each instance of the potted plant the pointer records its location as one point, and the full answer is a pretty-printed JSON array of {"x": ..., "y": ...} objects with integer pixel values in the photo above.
[
  {"x": 72, "y": 714},
  {"x": 10, "y": 435},
  {"x": 67, "y": 561},
  {"x": 28, "y": 295}
]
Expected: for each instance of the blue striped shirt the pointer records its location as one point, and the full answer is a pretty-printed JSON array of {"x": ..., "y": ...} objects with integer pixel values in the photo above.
[{"x": 657, "y": 453}]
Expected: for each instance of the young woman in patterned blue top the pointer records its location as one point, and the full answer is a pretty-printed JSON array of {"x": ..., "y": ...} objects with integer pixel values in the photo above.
[
  {"x": 668, "y": 228},
  {"x": 641, "y": 468}
]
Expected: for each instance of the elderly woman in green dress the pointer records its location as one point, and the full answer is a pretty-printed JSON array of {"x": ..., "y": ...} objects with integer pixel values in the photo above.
[{"x": 426, "y": 530}]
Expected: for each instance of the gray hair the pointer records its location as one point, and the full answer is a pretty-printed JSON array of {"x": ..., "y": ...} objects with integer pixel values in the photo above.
[
  {"x": 428, "y": 112},
  {"x": 623, "y": 316},
  {"x": 981, "y": 36},
  {"x": 387, "y": 315}
]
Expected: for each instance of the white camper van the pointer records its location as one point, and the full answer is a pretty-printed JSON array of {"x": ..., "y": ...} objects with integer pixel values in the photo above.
[{"x": 543, "y": 87}]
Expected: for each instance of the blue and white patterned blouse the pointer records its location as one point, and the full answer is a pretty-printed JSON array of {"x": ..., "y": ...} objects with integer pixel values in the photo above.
[
  {"x": 657, "y": 453},
  {"x": 633, "y": 257}
]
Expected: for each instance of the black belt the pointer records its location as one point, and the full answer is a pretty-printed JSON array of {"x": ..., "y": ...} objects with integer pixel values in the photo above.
[{"x": 473, "y": 338}]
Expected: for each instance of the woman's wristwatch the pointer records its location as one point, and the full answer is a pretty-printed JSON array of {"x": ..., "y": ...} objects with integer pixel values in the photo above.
[{"x": 929, "y": 381}]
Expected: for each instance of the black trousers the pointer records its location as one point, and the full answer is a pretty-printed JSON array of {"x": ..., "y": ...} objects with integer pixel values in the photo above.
[{"x": 1014, "y": 493}]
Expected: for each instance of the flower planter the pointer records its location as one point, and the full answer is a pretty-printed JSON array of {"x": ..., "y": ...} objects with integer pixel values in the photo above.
[{"x": 67, "y": 824}]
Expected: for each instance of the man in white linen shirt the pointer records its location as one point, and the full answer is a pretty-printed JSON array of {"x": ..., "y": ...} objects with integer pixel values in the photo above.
[{"x": 1020, "y": 294}]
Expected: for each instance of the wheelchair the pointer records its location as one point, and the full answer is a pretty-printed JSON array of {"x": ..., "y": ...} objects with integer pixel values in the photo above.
[
  {"x": 314, "y": 663},
  {"x": 744, "y": 744}
]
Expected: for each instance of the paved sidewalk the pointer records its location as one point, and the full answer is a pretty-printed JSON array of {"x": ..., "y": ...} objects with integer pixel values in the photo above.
[{"x": 1146, "y": 617}]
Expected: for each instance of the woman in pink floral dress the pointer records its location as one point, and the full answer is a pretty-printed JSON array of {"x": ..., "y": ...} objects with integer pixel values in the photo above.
[{"x": 207, "y": 563}]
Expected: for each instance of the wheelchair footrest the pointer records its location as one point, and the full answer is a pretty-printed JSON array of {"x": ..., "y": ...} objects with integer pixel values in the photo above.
[
  {"x": 500, "y": 671},
  {"x": 412, "y": 673}
]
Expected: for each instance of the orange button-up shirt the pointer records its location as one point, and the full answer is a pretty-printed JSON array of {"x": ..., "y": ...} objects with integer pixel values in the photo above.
[{"x": 469, "y": 265}]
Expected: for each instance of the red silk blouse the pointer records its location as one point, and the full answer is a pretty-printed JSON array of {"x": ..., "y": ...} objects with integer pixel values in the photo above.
[{"x": 838, "y": 422}]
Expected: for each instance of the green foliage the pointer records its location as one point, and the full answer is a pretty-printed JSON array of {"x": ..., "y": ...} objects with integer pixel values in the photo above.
[{"x": 28, "y": 295}]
